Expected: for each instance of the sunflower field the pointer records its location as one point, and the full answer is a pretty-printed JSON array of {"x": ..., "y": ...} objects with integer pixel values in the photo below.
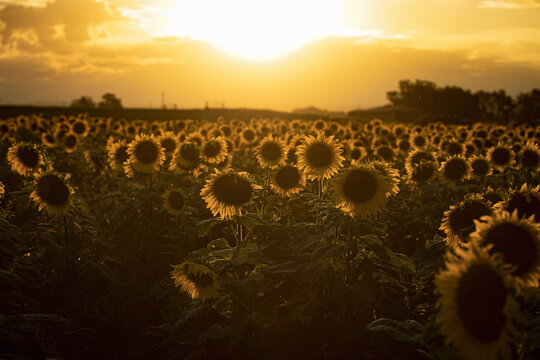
[{"x": 268, "y": 239}]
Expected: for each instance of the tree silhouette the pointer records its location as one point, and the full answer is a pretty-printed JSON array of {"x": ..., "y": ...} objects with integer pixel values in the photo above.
[
  {"x": 84, "y": 102},
  {"x": 110, "y": 101}
]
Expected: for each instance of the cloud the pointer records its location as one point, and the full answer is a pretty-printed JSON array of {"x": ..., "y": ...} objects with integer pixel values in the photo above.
[{"x": 509, "y": 4}]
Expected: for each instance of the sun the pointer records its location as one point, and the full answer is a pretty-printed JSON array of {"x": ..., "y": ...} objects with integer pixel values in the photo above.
[{"x": 257, "y": 30}]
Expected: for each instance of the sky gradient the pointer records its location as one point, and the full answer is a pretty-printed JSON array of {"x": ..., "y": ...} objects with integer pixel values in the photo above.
[{"x": 338, "y": 55}]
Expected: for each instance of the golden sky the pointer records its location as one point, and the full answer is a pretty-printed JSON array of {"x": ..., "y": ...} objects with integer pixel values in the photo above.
[{"x": 279, "y": 54}]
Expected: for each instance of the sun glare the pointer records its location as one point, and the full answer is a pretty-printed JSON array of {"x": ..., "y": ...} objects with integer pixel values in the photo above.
[{"x": 256, "y": 30}]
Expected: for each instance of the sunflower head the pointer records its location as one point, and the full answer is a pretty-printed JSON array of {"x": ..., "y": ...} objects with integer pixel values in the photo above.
[
  {"x": 168, "y": 141},
  {"x": 187, "y": 157},
  {"x": 80, "y": 128},
  {"x": 196, "y": 280},
  {"x": 145, "y": 154},
  {"x": 174, "y": 201},
  {"x": 479, "y": 166},
  {"x": 529, "y": 156},
  {"x": 52, "y": 192},
  {"x": 421, "y": 173},
  {"x": 288, "y": 180},
  {"x": 214, "y": 150},
  {"x": 70, "y": 142},
  {"x": 271, "y": 152},
  {"x": 117, "y": 154},
  {"x": 501, "y": 156},
  {"x": 526, "y": 201},
  {"x": 320, "y": 157},
  {"x": 454, "y": 169},
  {"x": 24, "y": 158}
]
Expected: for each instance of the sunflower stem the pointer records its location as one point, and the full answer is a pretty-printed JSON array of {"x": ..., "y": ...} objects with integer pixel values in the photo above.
[{"x": 265, "y": 190}]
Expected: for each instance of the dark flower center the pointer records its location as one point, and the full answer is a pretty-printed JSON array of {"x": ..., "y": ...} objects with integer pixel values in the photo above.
[
  {"x": 249, "y": 135},
  {"x": 271, "y": 151},
  {"x": 190, "y": 152},
  {"x": 79, "y": 128},
  {"x": 386, "y": 153},
  {"x": 319, "y": 155},
  {"x": 480, "y": 300},
  {"x": 454, "y": 148},
  {"x": 530, "y": 158},
  {"x": 232, "y": 189},
  {"x": 455, "y": 169},
  {"x": 421, "y": 155},
  {"x": 146, "y": 152},
  {"x": 201, "y": 279},
  {"x": 493, "y": 197},
  {"x": 360, "y": 186},
  {"x": 516, "y": 244},
  {"x": 28, "y": 156},
  {"x": 176, "y": 200},
  {"x": 500, "y": 156},
  {"x": 70, "y": 141},
  {"x": 480, "y": 167},
  {"x": 404, "y": 145},
  {"x": 419, "y": 141},
  {"x": 121, "y": 155},
  {"x": 212, "y": 149},
  {"x": 287, "y": 177},
  {"x": 356, "y": 153},
  {"x": 52, "y": 190},
  {"x": 423, "y": 172},
  {"x": 462, "y": 218},
  {"x": 526, "y": 205},
  {"x": 168, "y": 144}
]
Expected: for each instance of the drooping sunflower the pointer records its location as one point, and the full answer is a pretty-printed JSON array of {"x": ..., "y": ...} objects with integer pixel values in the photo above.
[
  {"x": 145, "y": 154},
  {"x": 117, "y": 154},
  {"x": 196, "y": 280},
  {"x": 24, "y": 158},
  {"x": 453, "y": 170},
  {"x": 320, "y": 157},
  {"x": 214, "y": 150},
  {"x": 361, "y": 190},
  {"x": 479, "y": 166},
  {"x": 70, "y": 142},
  {"x": 529, "y": 156},
  {"x": 168, "y": 141},
  {"x": 52, "y": 192},
  {"x": 271, "y": 152},
  {"x": 517, "y": 239},
  {"x": 526, "y": 201},
  {"x": 500, "y": 156},
  {"x": 174, "y": 201},
  {"x": 459, "y": 221},
  {"x": 226, "y": 192},
  {"x": 187, "y": 157},
  {"x": 288, "y": 180},
  {"x": 476, "y": 309}
]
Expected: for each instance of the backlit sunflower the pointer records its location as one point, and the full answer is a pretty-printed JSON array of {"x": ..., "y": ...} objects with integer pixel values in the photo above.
[
  {"x": 479, "y": 166},
  {"x": 389, "y": 173},
  {"x": 518, "y": 240},
  {"x": 174, "y": 201},
  {"x": 404, "y": 146},
  {"x": 117, "y": 154},
  {"x": 271, "y": 152},
  {"x": 248, "y": 137},
  {"x": 361, "y": 190},
  {"x": 24, "y": 158},
  {"x": 500, "y": 156},
  {"x": 419, "y": 141},
  {"x": 168, "y": 141},
  {"x": 320, "y": 157},
  {"x": 145, "y": 154},
  {"x": 422, "y": 173},
  {"x": 452, "y": 148},
  {"x": 48, "y": 140},
  {"x": 458, "y": 221},
  {"x": 80, "y": 128},
  {"x": 385, "y": 152},
  {"x": 214, "y": 151},
  {"x": 288, "y": 180},
  {"x": 196, "y": 280},
  {"x": 529, "y": 156},
  {"x": 187, "y": 157},
  {"x": 357, "y": 153},
  {"x": 52, "y": 192},
  {"x": 415, "y": 157},
  {"x": 454, "y": 169},
  {"x": 526, "y": 201},
  {"x": 70, "y": 141},
  {"x": 226, "y": 192},
  {"x": 476, "y": 309},
  {"x": 492, "y": 195}
]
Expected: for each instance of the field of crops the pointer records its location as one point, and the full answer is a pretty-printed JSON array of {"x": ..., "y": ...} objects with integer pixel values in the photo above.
[{"x": 268, "y": 239}]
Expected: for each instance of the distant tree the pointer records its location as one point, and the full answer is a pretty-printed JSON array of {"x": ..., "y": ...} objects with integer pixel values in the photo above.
[
  {"x": 528, "y": 107},
  {"x": 495, "y": 106},
  {"x": 84, "y": 102},
  {"x": 110, "y": 101}
]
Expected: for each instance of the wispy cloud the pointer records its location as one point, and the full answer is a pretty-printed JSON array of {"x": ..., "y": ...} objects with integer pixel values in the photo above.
[{"x": 509, "y": 4}]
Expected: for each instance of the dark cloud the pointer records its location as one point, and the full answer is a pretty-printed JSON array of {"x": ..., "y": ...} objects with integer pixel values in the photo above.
[{"x": 59, "y": 21}]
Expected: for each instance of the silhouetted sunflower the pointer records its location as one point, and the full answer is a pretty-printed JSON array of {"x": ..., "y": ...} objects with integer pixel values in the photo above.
[
  {"x": 214, "y": 150},
  {"x": 24, "y": 158},
  {"x": 500, "y": 156},
  {"x": 454, "y": 169},
  {"x": 117, "y": 154},
  {"x": 196, "y": 280},
  {"x": 168, "y": 141},
  {"x": 52, "y": 192},
  {"x": 361, "y": 190},
  {"x": 476, "y": 309},
  {"x": 145, "y": 154},
  {"x": 526, "y": 201},
  {"x": 518, "y": 240},
  {"x": 174, "y": 201},
  {"x": 459, "y": 221},
  {"x": 271, "y": 152},
  {"x": 479, "y": 166},
  {"x": 529, "y": 156},
  {"x": 288, "y": 180},
  {"x": 70, "y": 141},
  {"x": 226, "y": 192},
  {"x": 319, "y": 157},
  {"x": 187, "y": 157}
]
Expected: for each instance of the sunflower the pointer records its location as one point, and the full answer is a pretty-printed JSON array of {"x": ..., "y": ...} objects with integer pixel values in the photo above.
[
  {"x": 24, "y": 158},
  {"x": 48, "y": 140},
  {"x": 389, "y": 173},
  {"x": 195, "y": 137},
  {"x": 423, "y": 172},
  {"x": 404, "y": 146},
  {"x": 415, "y": 157},
  {"x": 385, "y": 152},
  {"x": 419, "y": 141},
  {"x": 2, "y": 190},
  {"x": 500, "y": 156},
  {"x": 168, "y": 141},
  {"x": 525, "y": 200},
  {"x": 492, "y": 195},
  {"x": 517, "y": 239},
  {"x": 145, "y": 154},
  {"x": 174, "y": 201},
  {"x": 215, "y": 150},
  {"x": 361, "y": 190},
  {"x": 320, "y": 157},
  {"x": 529, "y": 156},
  {"x": 117, "y": 154},
  {"x": 454, "y": 169},
  {"x": 452, "y": 148},
  {"x": 458, "y": 221},
  {"x": 187, "y": 157},
  {"x": 357, "y": 153},
  {"x": 248, "y": 137},
  {"x": 226, "y": 192},
  {"x": 476, "y": 309},
  {"x": 80, "y": 128},
  {"x": 288, "y": 180},
  {"x": 70, "y": 141},
  {"x": 52, "y": 192},
  {"x": 271, "y": 152},
  {"x": 479, "y": 166},
  {"x": 196, "y": 280}
]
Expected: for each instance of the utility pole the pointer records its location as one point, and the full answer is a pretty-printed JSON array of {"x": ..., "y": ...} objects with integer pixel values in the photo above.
[{"x": 163, "y": 106}]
